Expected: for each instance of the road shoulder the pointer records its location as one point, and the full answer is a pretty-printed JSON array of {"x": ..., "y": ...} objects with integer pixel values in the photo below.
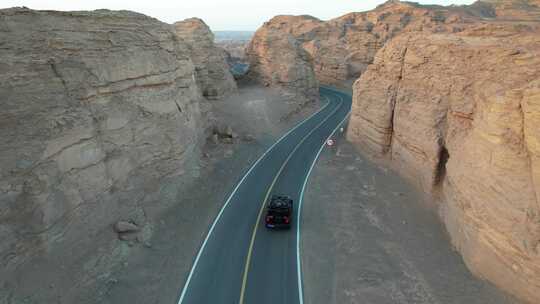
[{"x": 368, "y": 238}]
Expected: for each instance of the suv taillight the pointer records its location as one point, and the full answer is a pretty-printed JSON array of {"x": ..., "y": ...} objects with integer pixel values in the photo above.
[
  {"x": 286, "y": 219},
  {"x": 269, "y": 218}
]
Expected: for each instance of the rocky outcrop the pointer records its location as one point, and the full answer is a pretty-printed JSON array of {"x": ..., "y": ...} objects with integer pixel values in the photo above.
[
  {"x": 236, "y": 57},
  {"x": 276, "y": 58},
  {"x": 100, "y": 121},
  {"x": 212, "y": 71},
  {"x": 523, "y": 10},
  {"x": 459, "y": 113},
  {"x": 234, "y": 43},
  {"x": 343, "y": 47},
  {"x": 349, "y": 43}
]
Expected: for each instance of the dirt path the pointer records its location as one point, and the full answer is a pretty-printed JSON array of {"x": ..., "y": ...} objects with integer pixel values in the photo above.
[{"x": 367, "y": 238}]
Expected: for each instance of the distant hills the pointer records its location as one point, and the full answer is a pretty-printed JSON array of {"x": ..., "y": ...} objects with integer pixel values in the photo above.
[{"x": 233, "y": 35}]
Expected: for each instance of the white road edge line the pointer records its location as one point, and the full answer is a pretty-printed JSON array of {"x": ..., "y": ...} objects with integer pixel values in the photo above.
[
  {"x": 201, "y": 249},
  {"x": 298, "y": 266}
]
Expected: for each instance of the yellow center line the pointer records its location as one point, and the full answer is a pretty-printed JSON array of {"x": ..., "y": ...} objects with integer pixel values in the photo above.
[{"x": 254, "y": 233}]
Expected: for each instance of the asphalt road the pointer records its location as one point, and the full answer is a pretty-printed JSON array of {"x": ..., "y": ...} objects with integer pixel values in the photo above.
[{"x": 241, "y": 261}]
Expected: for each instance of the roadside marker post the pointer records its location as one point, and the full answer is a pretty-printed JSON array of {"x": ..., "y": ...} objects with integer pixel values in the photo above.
[{"x": 330, "y": 142}]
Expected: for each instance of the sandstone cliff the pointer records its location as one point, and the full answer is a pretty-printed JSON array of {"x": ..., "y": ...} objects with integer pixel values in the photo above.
[
  {"x": 100, "y": 121},
  {"x": 343, "y": 47},
  {"x": 459, "y": 113},
  {"x": 524, "y": 10},
  {"x": 212, "y": 72},
  {"x": 277, "y": 58}
]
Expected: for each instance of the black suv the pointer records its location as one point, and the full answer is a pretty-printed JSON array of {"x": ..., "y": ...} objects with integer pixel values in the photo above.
[{"x": 279, "y": 212}]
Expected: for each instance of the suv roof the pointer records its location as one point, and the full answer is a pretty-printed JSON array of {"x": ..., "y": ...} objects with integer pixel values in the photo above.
[{"x": 280, "y": 202}]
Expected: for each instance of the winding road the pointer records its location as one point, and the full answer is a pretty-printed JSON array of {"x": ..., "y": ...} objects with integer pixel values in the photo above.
[{"x": 240, "y": 261}]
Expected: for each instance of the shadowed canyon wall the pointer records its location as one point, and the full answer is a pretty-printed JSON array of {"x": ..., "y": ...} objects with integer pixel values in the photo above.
[{"x": 100, "y": 122}]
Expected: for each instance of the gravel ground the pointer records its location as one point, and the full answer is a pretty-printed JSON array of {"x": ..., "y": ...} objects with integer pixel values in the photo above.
[
  {"x": 368, "y": 237},
  {"x": 154, "y": 272}
]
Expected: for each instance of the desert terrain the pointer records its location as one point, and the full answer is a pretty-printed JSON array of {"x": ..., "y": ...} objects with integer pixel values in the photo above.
[{"x": 136, "y": 154}]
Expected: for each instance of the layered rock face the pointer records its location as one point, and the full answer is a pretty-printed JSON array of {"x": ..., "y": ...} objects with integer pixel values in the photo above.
[
  {"x": 459, "y": 113},
  {"x": 343, "y": 47},
  {"x": 348, "y": 44},
  {"x": 100, "y": 121},
  {"x": 524, "y": 10},
  {"x": 277, "y": 58},
  {"x": 212, "y": 71}
]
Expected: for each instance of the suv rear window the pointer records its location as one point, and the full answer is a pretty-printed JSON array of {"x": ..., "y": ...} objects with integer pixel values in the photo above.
[{"x": 284, "y": 211}]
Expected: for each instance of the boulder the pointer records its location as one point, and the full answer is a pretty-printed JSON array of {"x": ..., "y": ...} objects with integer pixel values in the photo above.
[
  {"x": 124, "y": 226},
  {"x": 224, "y": 131},
  {"x": 248, "y": 137},
  {"x": 509, "y": 10},
  {"x": 131, "y": 237},
  {"x": 214, "y": 138}
]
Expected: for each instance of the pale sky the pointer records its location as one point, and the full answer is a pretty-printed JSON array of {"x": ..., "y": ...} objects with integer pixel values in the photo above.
[{"x": 219, "y": 15}]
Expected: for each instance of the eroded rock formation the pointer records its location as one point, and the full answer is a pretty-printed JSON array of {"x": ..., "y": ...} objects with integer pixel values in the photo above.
[
  {"x": 212, "y": 71},
  {"x": 100, "y": 121},
  {"x": 343, "y": 47},
  {"x": 277, "y": 58},
  {"x": 523, "y": 10},
  {"x": 459, "y": 113}
]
